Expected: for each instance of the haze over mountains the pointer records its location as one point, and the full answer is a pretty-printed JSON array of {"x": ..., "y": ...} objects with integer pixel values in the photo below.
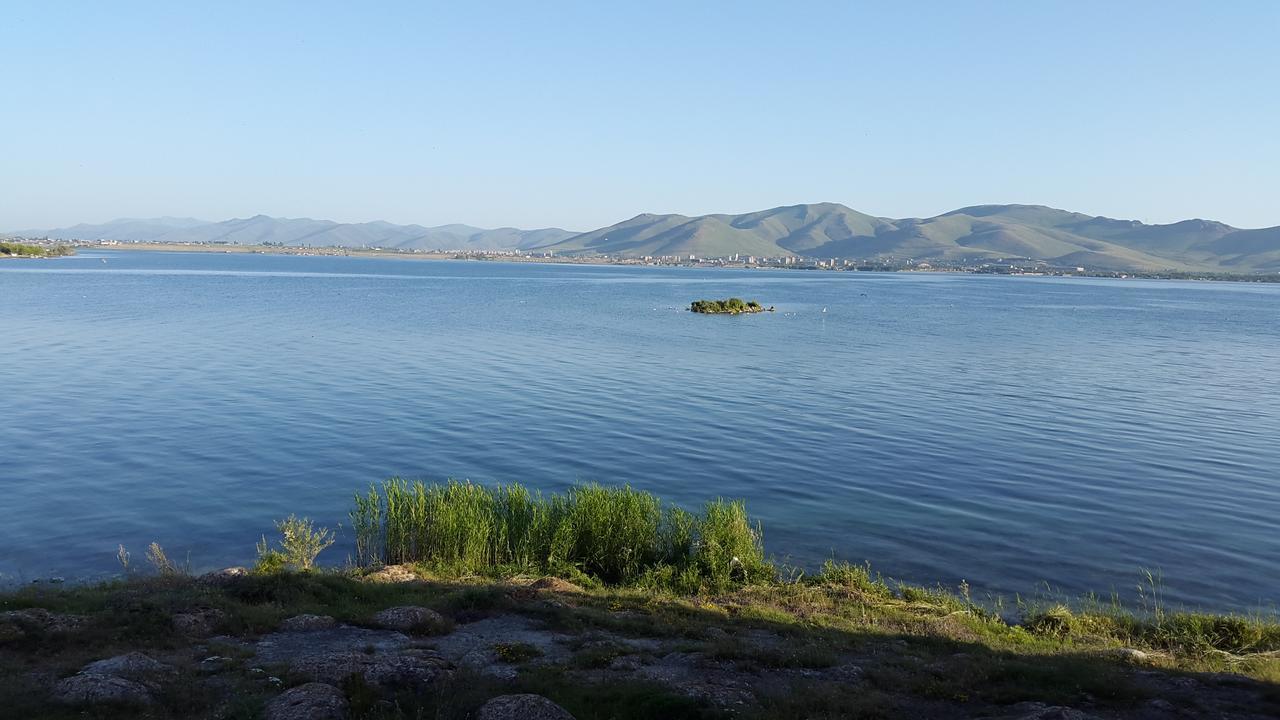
[
  {"x": 262, "y": 229},
  {"x": 820, "y": 230}
]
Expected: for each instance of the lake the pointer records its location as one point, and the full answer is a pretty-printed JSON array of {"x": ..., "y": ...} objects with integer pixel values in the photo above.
[{"x": 1010, "y": 432}]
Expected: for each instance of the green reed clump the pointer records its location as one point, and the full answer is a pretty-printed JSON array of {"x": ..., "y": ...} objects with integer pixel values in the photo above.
[
  {"x": 614, "y": 531},
  {"x": 614, "y": 534},
  {"x": 729, "y": 548}
]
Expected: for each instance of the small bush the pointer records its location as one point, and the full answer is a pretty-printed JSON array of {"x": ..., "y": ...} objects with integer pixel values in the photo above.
[{"x": 300, "y": 543}]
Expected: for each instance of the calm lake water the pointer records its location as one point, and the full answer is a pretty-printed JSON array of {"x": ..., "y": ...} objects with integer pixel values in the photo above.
[{"x": 1005, "y": 431}]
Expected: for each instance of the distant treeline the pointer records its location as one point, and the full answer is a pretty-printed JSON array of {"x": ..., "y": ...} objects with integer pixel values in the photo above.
[{"x": 16, "y": 249}]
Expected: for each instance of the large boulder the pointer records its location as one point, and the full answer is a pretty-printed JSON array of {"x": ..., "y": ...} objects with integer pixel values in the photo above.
[
  {"x": 95, "y": 689},
  {"x": 524, "y": 706},
  {"x": 409, "y": 618},
  {"x": 128, "y": 679},
  {"x": 312, "y": 701},
  {"x": 131, "y": 666}
]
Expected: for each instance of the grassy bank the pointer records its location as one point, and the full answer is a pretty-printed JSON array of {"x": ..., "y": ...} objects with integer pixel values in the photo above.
[
  {"x": 623, "y": 539},
  {"x": 644, "y": 587}
]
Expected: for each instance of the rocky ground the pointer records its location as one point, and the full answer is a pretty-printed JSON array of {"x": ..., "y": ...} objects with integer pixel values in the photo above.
[{"x": 395, "y": 645}]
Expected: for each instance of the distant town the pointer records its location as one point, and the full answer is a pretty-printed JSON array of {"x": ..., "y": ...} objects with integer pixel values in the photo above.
[{"x": 983, "y": 266}]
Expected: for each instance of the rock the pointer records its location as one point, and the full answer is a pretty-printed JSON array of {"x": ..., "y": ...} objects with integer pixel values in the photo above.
[
  {"x": 473, "y": 644},
  {"x": 555, "y": 584},
  {"x": 847, "y": 672},
  {"x": 214, "y": 664},
  {"x": 525, "y": 706},
  {"x": 131, "y": 666},
  {"x": 715, "y": 633},
  {"x": 18, "y": 624},
  {"x": 198, "y": 623},
  {"x": 312, "y": 701},
  {"x": 416, "y": 669},
  {"x": 286, "y": 647},
  {"x": 304, "y": 623},
  {"x": 225, "y": 576},
  {"x": 1230, "y": 679},
  {"x": 1040, "y": 711},
  {"x": 408, "y": 617},
  {"x": 625, "y": 663},
  {"x": 1160, "y": 704},
  {"x": 393, "y": 574},
  {"x": 1132, "y": 655},
  {"x": 92, "y": 688}
]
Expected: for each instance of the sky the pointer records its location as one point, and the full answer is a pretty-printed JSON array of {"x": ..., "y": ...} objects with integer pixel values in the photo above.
[{"x": 579, "y": 115}]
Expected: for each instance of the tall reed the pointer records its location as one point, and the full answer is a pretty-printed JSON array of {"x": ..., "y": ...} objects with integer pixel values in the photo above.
[{"x": 615, "y": 534}]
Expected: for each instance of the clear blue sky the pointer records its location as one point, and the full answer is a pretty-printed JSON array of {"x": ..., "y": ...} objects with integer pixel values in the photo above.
[{"x": 581, "y": 114}]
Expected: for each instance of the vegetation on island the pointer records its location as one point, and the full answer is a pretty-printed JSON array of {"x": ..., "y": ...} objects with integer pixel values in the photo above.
[
  {"x": 17, "y": 249},
  {"x": 619, "y": 606},
  {"x": 732, "y": 306}
]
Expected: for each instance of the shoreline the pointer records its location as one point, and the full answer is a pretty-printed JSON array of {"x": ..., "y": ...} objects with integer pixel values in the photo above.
[
  {"x": 442, "y": 644},
  {"x": 502, "y": 256},
  {"x": 599, "y": 602}
]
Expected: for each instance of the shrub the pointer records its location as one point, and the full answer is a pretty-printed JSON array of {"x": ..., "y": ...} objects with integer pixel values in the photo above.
[{"x": 300, "y": 543}]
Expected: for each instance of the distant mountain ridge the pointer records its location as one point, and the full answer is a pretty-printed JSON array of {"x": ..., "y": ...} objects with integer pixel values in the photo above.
[
  {"x": 262, "y": 229},
  {"x": 820, "y": 230}
]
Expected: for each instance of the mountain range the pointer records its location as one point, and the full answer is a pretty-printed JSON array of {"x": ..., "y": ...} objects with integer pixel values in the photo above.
[
  {"x": 262, "y": 229},
  {"x": 819, "y": 230}
]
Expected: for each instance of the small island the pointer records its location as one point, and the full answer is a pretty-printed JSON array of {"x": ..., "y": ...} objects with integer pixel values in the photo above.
[
  {"x": 732, "y": 306},
  {"x": 26, "y": 250}
]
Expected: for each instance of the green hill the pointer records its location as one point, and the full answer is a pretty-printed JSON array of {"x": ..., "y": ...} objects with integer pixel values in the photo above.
[{"x": 977, "y": 233}]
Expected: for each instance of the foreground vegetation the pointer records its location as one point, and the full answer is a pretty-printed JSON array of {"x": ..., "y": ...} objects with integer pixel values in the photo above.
[
  {"x": 617, "y": 535},
  {"x": 732, "y": 306},
  {"x": 17, "y": 249},
  {"x": 642, "y": 587}
]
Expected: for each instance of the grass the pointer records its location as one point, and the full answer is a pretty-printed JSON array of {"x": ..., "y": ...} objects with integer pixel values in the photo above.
[
  {"x": 616, "y": 535},
  {"x": 621, "y": 537},
  {"x": 921, "y": 650},
  {"x": 697, "y": 584}
]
